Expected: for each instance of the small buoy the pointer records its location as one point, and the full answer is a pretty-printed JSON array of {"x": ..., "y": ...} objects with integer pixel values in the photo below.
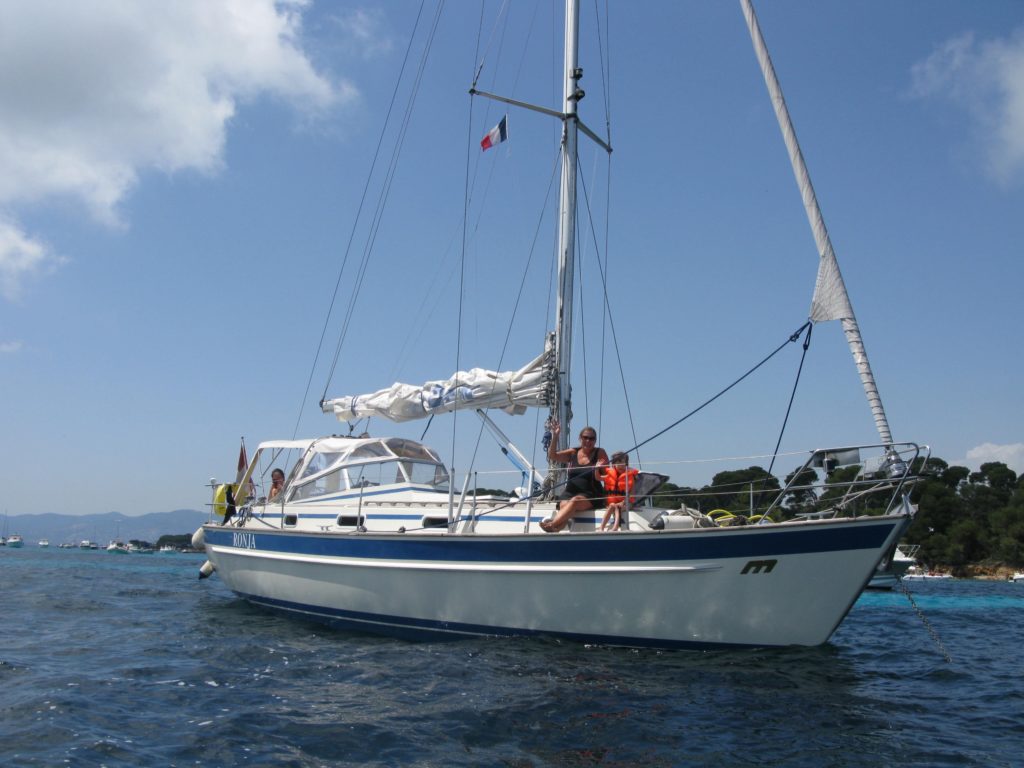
[
  {"x": 206, "y": 570},
  {"x": 199, "y": 538}
]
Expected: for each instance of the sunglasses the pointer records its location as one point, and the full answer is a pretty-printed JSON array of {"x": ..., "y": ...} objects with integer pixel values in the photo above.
[{"x": 588, "y": 437}]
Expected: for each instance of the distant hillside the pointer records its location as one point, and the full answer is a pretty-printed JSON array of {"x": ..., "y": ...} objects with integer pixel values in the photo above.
[{"x": 103, "y": 528}]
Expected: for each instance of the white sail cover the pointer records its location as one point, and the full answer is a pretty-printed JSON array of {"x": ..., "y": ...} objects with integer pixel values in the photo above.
[{"x": 511, "y": 391}]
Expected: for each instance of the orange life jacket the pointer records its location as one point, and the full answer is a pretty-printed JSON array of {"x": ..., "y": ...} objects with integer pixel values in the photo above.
[{"x": 618, "y": 484}]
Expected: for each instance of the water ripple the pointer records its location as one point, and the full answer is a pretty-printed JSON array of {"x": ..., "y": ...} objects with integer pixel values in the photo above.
[{"x": 126, "y": 661}]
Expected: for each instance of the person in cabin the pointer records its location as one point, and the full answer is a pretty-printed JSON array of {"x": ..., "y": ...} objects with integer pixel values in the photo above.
[
  {"x": 582, "y": 489},
  {"x": 276, "y": 483},
  {"x": 619, "y": 481}
]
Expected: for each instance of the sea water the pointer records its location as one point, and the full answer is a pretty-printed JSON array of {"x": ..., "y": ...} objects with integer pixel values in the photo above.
[{"x": 129, "y": 660}]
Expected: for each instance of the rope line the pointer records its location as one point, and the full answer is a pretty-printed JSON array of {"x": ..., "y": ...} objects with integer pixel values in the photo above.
[
  {"x": 702, "y": 406},
  {"x": 792, "y": 397}
]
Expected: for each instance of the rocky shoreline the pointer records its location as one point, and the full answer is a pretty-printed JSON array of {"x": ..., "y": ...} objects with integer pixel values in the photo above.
[{"x": 985, "y": 572}]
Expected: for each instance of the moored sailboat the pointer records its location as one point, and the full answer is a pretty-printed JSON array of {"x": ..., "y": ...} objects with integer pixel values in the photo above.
[{"x": 373, "y": 533}]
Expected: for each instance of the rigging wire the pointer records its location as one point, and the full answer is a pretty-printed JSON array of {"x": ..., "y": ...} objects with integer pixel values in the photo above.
[
  {"x": 355, "y": 224},
  {"x": 578, "y": 264},
  {"x": 793, "y": 338},
  {"x": 522, "y": 285},
  {"x": 605, "y": 75},
  {"x": 477, "y": 56},
  {"x": 481, "y": 205},
  {"x": 385, "y": 191},
  {"x": 611, "y": 322},
  {"x": 792, "y": 396},
  {"x": 606, "y": 68},
  {"x": 462, "y": 260}
]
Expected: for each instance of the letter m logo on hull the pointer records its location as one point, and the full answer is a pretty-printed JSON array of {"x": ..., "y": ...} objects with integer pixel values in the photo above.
[{"x": 759, "y": 566}]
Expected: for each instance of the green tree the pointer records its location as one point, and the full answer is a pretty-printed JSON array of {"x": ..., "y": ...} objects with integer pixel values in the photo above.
[
  {"x": 967, "y": 543},
  {"x": 803, "y": 496},
  {"x": 837, "y": 483},
  {"x": 738, "y": 490}
]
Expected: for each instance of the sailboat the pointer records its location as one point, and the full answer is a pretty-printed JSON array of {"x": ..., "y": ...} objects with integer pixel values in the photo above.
[{"x": 375, "y": 534}]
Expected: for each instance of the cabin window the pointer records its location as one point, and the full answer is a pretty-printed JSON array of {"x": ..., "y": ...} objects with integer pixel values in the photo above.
[
  {"x": 369, "y": 451},
  {"x": 426, "y": 474},
  {"x": 332, "y": 482},
  {"x": 318, "y": 462},
  {"x": 348, "y": 521},
  {"x": 435, "y": 522},
  {"x": 290, "y": 521},
  {"x": 369, "y": 475},
  {"x": 407, "y": 449}
]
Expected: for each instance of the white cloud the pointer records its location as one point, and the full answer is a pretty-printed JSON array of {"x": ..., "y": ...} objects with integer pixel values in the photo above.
[
  {"x": 7, "y": 347},
  {"x": 361, "y": 31},
  {"x": 21, "y": 257},
  {"x": 987, "y": 79},
  {"x": 1012, "y": 455},
  {"x": 94, "y": 93}
]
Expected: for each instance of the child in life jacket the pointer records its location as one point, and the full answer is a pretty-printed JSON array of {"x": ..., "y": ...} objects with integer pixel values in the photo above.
[{"x": 619, "y": 480}]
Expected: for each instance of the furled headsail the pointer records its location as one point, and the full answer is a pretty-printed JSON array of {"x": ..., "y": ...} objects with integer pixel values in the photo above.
[
  {"x": 831, "y": 300},
  {"x": 511, "y": 391}
]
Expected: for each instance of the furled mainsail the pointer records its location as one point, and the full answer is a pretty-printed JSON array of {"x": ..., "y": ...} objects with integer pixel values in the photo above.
[{"x": 511, "y": 391}]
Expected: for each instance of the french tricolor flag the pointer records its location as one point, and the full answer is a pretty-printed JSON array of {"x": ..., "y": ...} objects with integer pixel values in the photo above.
[{"x": 496, "y": 135}]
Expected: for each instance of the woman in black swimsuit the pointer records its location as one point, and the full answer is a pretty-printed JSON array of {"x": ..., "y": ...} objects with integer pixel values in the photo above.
[{"x": 582, "y": 490}]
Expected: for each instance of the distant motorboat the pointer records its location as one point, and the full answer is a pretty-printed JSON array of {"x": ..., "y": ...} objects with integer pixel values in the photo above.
[
  {"x": 894, "y": 567},
  {"x": 917, "y": 573},
  {"x": 14, "y": 540},
  {"x": 1017, "y": 578},
  {"x": 44, "y": 542},
  {"x": 117, "y": 547}
]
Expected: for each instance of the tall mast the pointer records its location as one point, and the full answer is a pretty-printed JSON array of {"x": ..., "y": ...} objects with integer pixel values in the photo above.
[
  {"x": 831, "y": 301},
  {"x": 567, "y": 223}
]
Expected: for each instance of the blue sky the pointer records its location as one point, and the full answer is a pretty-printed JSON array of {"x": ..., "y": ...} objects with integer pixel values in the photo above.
[{"x": 180, "y": 181}]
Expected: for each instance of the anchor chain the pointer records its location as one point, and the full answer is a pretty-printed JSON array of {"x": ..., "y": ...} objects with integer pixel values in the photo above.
[{"x": 927, "y": 624}]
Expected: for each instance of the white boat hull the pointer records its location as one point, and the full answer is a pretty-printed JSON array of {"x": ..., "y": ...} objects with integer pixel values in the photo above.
[
  {"x": 772, "y": 585},
  {"x": 894, "y": 568}
]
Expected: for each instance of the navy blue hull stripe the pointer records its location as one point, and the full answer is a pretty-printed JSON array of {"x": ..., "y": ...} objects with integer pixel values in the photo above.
[{"x": 560, "y": 549}]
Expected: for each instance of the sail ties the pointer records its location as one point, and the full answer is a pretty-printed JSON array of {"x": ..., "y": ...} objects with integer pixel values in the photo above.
[{"x": 511, "y": 391}]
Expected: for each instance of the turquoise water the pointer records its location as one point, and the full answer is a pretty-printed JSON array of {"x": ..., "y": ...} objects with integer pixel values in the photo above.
[{"x": 129, "y": 660}]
